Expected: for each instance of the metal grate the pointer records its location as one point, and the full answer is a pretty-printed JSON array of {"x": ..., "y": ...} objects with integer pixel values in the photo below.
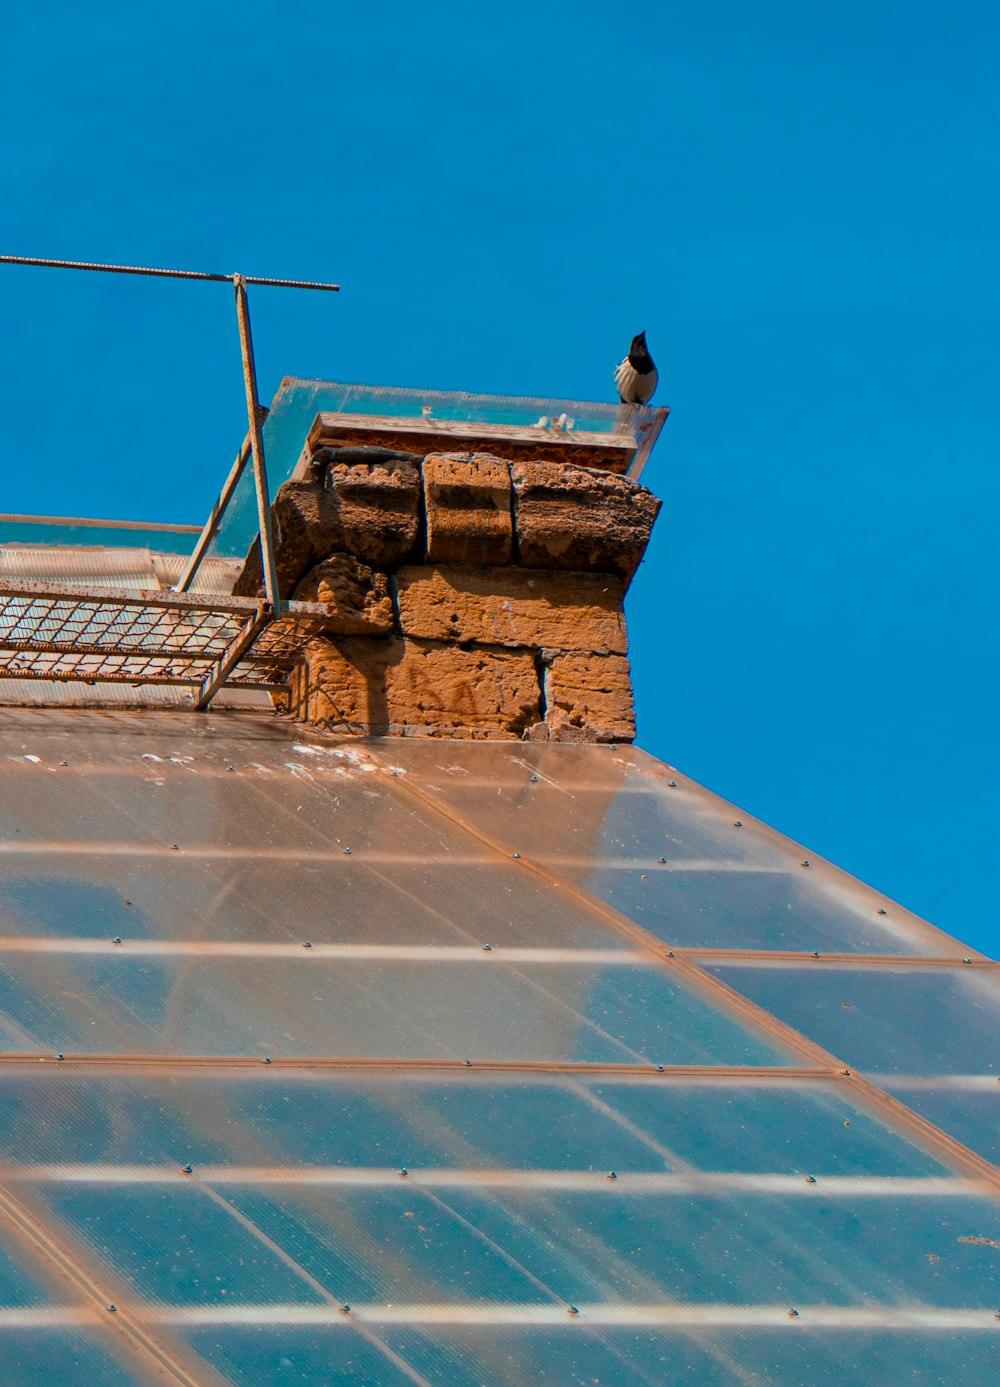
[{"x": 57, "y": 631}]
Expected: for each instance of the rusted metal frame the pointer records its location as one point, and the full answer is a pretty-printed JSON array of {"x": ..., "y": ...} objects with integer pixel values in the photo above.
[
  {"x": 257, "y": 445},
  {"x": 166, "y": 598},
  {"x": 230, "y": 659},
  {"x": 128, "y": 597},
  {"x": 728, "y": 1000},
  {"x": 647, "y": 441},
  {"x": 74, "y": 1264},
  {"x": 393, "y": 1065},
  {"x": 134, "y": 678},
  {"x": 163, "y": 274},
  {"x": 179, "y": 652},
  {"x": 216, "y": 514},
  {"x": 806, "y": 959}
]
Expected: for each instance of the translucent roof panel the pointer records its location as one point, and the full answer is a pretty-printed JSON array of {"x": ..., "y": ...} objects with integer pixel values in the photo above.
[
  {"x": 340, "y": 1125},
  {"x": 967, "y": 1108},
  {"x": 687, "y": 866},
  {"x": 717, "y": 1356},
  {"x": 386, "y": 1062},
  {"x": 886, "y": 1020}
]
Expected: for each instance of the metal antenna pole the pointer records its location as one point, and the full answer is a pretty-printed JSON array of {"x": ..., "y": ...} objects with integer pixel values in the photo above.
[{"x": 257, "y": 445}]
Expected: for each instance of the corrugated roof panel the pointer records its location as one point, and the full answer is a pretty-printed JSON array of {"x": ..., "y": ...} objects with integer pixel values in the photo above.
[{"x": 97, "y": 567}]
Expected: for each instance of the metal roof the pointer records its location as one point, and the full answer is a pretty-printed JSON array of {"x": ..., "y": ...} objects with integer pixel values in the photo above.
[{"x": 435, "y": 1062}]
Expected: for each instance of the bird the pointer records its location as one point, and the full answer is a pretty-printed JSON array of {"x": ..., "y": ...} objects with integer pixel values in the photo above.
[{"x": 636, "y": 376}]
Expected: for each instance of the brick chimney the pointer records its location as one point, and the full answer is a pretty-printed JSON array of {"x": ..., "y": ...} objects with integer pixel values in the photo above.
[{"x": 472, "y": 593}]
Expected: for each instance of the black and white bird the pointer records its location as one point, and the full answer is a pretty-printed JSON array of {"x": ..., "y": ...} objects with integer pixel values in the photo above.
[{"x": 636, "y": 377}]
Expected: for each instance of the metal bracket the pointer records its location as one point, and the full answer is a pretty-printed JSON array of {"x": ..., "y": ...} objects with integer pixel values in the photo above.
[{"x": 231, "y": 658}]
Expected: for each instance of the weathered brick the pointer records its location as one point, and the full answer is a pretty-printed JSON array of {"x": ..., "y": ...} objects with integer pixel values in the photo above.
[
  {"x": 445, "y": 690},
  {"x": 368, "y": 509},
  {"x": 513, "y": 606},
  {"x": 588, "y": 698},
  {"x": 579, "y": 518},
  {"x": 341, "y": 683},
  {"x": 357, "y": 594},
  {"x": 415, "y": 687},
  {"x": 467, "y": 505},
  {"x": 378, "y": 506},
  {"x": 305, "y": 524}
]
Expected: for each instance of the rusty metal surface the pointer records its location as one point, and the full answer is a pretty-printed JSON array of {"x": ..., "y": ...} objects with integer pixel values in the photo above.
[
  {"x": 162, "y": 274},
  {"x": 355, "y": 914},
  {"x": 63, "y": 631}
]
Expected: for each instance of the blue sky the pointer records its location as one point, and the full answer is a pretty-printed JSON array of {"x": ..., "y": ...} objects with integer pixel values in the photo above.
[{"x": 798, "y": 202}]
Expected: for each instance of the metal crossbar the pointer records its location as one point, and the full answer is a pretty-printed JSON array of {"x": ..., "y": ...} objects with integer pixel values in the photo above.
[
  {"x": 59, "y": 631},
  {"x": 55, "y": 631}
]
